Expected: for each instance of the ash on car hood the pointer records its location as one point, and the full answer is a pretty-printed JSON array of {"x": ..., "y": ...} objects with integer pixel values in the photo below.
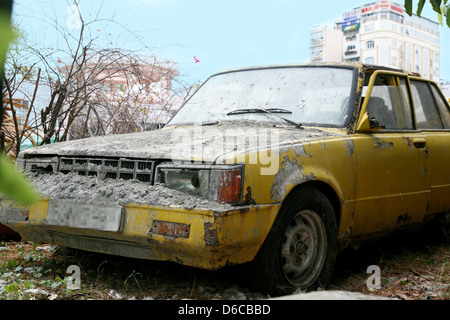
[{"x": 205, "y": 143}]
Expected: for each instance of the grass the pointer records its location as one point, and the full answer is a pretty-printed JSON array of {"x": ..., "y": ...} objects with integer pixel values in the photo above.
[{"x": 412, "y": 267}]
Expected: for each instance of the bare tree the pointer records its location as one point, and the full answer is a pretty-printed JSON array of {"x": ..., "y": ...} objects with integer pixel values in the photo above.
[{"x": 93, "y": 87}]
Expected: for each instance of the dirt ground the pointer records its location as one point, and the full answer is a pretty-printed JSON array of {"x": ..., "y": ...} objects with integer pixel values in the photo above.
[{"x": 413, "y": 266}]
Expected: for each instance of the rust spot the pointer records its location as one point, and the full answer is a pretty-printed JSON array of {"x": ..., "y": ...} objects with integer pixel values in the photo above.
[
  {"x": 410, "y": 143},
  {"x": 248, "y": 197},
  {"x": 171, "y": 229},
  {"x": 345, "y": 236},
  {"x": 404, "y": 218},
  {"x": 211, "y": 238},
  {"x": 384, "y": 145}
]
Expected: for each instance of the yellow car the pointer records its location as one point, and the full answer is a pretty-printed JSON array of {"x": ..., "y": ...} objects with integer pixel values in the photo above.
[{"x": 277, "y": 168}]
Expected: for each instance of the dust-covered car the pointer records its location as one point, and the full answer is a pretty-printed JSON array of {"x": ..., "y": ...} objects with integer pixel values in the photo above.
[{"x": 276, "y": 168}]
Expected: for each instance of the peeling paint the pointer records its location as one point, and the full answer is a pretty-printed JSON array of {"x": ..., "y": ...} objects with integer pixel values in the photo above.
[
  {"x": 248, "y": 197},
  {"x": 211, "y": 238},
  {"x": 291, "y": 173},
  {"x": 350, "y": 145},
  {"x": 410, "y": 143},
  {"x": 380, "y": 145},
  {"x": 299, "y": 150}
]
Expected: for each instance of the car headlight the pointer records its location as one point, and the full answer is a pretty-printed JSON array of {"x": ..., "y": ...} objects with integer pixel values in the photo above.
[{"x": 216, "y": 183}]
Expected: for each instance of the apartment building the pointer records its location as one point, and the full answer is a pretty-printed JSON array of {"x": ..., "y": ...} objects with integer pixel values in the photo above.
[
  {"x": 381, "y": 33},
  {"x": 445, "y": 87},
  {"x": 326, "y": 43}
]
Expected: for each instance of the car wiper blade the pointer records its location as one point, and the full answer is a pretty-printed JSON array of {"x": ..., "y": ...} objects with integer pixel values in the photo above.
[
  {"x": 243, "y": 111},
  {"x": 203, "y": 124},
  {"x": 273, "y": 111}
]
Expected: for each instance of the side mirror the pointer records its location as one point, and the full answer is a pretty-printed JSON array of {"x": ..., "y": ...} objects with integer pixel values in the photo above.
[{"x": 369, "y": 124}]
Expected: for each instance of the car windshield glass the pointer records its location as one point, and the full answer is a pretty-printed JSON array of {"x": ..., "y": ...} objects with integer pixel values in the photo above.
[{"x": 306, "y": 95}]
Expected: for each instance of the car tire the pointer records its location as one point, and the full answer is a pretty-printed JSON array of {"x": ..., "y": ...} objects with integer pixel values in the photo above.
[
  {"x": 301, "y": 248},
  {"x": 443, "y": 225}
]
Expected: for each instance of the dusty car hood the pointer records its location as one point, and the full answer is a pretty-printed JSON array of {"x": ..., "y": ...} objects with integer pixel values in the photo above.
[{"x": 183, "y": 143}]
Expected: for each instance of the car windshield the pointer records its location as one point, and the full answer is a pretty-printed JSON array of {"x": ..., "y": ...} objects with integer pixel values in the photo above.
[{"x": 303, "y": 95}]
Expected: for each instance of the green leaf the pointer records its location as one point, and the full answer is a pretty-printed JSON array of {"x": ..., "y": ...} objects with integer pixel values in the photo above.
[
  {"x": 444, "y": 10},
  {"x": 420, "y": 7},
  {"x": 436, "y": 5},
  {"x": 14, "y": 185},
  {"x": 409, "y": 7},
  {"x": 6, "y": 35}
]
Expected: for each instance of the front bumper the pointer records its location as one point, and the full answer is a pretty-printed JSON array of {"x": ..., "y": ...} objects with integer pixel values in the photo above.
[{"x": 200, "y": 238}]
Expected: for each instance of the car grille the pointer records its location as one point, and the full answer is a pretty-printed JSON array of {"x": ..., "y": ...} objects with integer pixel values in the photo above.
[{"x": 127, "y": 169}]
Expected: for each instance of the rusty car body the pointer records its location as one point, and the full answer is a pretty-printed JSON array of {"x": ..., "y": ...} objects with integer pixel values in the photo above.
[{"x": 276, "y": 168}]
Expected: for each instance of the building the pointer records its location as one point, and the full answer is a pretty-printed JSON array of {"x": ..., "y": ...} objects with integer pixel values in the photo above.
[
  {"x": 326, "y": 44},
  {"x": 445, "y": 87},
  {"x": 381, "y": 33},
  {"x": 351, "y": 24},
  {"x": 15, "y": 121},
  {"x": 126, "y": 96}
]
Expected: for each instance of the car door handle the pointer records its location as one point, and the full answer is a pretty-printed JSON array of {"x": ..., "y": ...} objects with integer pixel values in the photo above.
[{"x": 420, "y": 143}]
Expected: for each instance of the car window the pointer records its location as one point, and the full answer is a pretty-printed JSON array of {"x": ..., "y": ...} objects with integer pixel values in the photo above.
[
  {"x": 389, "y": 104},
  {"x": 309, "y": 95},
  {"x": 427, "y": 112},
  {"x": 442, "y": 106}
]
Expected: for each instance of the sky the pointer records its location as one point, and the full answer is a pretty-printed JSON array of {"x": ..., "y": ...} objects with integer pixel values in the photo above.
[{"x": 219, "y": 34}]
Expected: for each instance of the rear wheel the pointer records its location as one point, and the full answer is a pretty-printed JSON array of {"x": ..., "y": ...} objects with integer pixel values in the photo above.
[
  {"x": 301, "y": 248},
  {"x": 444, "y": 226}
]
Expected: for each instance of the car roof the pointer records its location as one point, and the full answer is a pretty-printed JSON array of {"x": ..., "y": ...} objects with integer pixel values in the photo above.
[{"x": 361, "y": 66}]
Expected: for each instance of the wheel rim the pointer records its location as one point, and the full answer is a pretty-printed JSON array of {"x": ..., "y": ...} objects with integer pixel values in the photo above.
[{"x": 303, "y": 249}]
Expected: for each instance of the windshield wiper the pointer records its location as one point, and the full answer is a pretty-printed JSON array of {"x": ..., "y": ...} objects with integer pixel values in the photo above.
[
  {"x": 268, "y": 111},
  {"x": 203, "y": 124}
]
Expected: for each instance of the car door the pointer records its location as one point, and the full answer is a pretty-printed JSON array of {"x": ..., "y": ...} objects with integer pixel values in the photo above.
[
  {"x": 392, "y": 188},
  {"x": 433, "y": 119}
]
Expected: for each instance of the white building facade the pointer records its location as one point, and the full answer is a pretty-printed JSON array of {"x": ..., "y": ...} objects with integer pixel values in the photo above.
[
  {"x": 326, "y": 44},
  {"x": 445, "y": 87},
  {"x": 381, "y": 33}
]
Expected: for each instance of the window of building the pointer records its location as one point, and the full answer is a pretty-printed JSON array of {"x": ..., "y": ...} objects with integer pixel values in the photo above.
[
  {"x": 317, "y": 38},
  {"x": 370, "y": 60},
  {"x": 394, "y": 61},
  {"x": 394, "y": 44},
  {"x": 370, "y": 27},
  {"x": 396, "y": 17},
  {"x": 370, "y": 44}
]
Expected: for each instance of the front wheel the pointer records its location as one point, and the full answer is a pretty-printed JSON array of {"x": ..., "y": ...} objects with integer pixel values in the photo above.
[{"x": 301, "y": 248}]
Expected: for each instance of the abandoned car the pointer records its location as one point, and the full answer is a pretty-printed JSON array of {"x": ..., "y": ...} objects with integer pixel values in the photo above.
[{"x": 274, "y": 168}]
